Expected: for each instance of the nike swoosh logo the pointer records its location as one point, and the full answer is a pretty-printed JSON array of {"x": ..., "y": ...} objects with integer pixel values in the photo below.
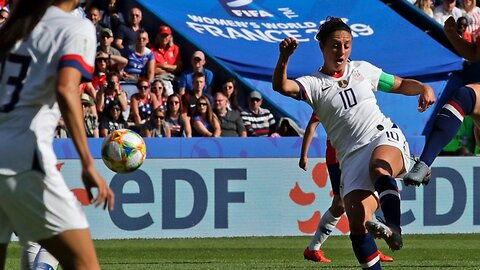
[{"x": 325, "y": 88}]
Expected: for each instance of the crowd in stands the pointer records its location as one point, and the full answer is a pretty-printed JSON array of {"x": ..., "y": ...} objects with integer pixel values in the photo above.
[
  {"x": 465, "y": 12},
  {"x": 173, "y": 100},
  {"x": 168, "y": 99}
]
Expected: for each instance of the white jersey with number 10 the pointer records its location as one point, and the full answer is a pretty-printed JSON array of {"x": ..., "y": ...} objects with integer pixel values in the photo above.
[{"x": 347, "y": 106}]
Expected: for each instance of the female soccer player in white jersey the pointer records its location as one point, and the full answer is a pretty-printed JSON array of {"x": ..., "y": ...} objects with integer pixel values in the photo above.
[
  {"x": 371, "y": 149},
  {"x": 45, "y": 52}
]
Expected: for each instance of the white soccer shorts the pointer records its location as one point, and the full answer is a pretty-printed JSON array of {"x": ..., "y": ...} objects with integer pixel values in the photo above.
[
  {"x": 355, "y": 166},
  {"x": 37, "y": 207}
]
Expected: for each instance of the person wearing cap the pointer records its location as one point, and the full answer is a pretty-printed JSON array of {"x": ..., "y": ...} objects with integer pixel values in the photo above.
[
  {"x": 89, "y": 116},
  {"x": 185, "y": 83},
  {"x": 105, "y": 50},
  {"x": 167, "y": 53},
  {"x": 126, "y": 36},
  {"x": 258, "y": 121}
]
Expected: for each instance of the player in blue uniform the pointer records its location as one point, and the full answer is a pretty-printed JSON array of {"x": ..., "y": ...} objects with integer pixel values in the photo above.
[{"x": 463, "y": 101}]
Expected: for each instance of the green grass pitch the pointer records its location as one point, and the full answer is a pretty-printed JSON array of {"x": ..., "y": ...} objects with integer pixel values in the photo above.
[{"x": 440, "y": 251}]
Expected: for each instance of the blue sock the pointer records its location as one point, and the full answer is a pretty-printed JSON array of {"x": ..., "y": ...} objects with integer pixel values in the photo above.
[
  {"x": 366, "y": 251},
  {"x": 447, "y": 123},
  {"x": 387, "y": 189}
]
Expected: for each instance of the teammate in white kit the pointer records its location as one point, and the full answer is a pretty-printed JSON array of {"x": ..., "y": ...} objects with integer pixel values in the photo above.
[
  {"x": 371, "y": 149},
  {"x": 45, "y": 53}
]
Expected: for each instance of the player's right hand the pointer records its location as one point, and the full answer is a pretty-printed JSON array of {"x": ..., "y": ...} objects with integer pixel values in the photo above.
[
  {"x": 288, "y": 46},
  {"x": 303, "y": 163},
  {"x": 92, "y": 179}
]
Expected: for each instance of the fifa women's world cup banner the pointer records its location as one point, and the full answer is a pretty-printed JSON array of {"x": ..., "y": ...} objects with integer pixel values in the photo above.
[{"x": 233, "y": 187}]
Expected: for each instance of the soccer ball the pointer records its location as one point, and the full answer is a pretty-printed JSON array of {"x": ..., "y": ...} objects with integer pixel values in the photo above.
[{"x": 123, "y": 151}]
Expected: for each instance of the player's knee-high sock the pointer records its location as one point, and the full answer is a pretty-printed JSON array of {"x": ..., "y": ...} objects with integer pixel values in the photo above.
[
  {"x": 389, "y": 195},
  {"x": 29, "y": 253},
  {"x": 325, "y": 227},
  {"x": 448, "y": 122},
  {"x": 45, "y": 261},
  {"x": 366, "y": 251}
]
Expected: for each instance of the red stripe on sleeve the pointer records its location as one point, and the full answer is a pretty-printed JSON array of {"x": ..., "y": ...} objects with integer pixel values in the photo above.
[{"x": 79, "y": 59}]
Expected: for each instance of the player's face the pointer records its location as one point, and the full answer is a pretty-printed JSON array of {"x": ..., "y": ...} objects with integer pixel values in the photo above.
[{"x": 336, "y": 51}]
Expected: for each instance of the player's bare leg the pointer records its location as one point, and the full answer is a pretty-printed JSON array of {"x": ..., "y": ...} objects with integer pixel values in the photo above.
[{"x": 74, "y": 249}]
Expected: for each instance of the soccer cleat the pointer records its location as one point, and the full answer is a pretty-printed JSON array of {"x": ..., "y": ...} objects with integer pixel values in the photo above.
[
  {"x": 385, "y": 258},
  {"x": 418, "y": 175},
  {"x": 379, "y": 230},
  {"x": 315, "y": 255}
]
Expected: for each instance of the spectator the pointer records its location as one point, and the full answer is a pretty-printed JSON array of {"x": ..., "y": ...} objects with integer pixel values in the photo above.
[
  {"x": 204, "y": 122},
  {"x": 100, "y": 72},
  {"x": 231, "y": 122},
  {"x": 229, "y": 88},
  {"x": 112, "y": 119},
  {"x": 159, "y": 90},
  {"x": 4, "y": 13},
  {"x": 288, "y": 128},
  {"x": 141, "y": 62},
  {"x": 257, "y": 120},
  {"x": 167, "y": 53},
  {"x": 95, "y": 16},
  {"x": 61, "y": 131},
  {"x": 185, "y": 83},
  {"x": 190, "y": 100},
  {"x": 89, "y": 117},
  {"x": 112, "y": 91},
  {"x": 126, "y": 36},
  {"x": 425, "y": 6},
  {"x": 462, "y": 24},
  {"x": 156, "y": 125},
  {"x": 142, "y": 103},
  {"x": 472, "y": 12},
  {"x": 445, "y": 10},
  {"x": 116, "y": 61},
  {"x": 80, "y": 10},
  {"x": 112, "y": 17},
  {"x": 179, "y": 122}
]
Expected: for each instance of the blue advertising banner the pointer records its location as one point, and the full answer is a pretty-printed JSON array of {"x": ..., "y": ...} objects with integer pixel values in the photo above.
[{"x": 244, "y": 34}]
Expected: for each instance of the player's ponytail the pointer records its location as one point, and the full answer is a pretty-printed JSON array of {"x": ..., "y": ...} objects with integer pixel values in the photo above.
[{"x": 24, "y": 16}]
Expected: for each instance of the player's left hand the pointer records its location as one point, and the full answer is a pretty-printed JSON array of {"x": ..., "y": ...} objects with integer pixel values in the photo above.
[
  {"x": 450, "y": 27},
  {"x": 426, "y": 99}
]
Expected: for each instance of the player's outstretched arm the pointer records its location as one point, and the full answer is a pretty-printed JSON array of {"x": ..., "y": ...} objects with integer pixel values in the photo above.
[
  {"x": 412, "y": 87},
  {"x": 280, "y": 81},
  {"x": 70, "y": 105},
  {"x": 307, "y": 140}
]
